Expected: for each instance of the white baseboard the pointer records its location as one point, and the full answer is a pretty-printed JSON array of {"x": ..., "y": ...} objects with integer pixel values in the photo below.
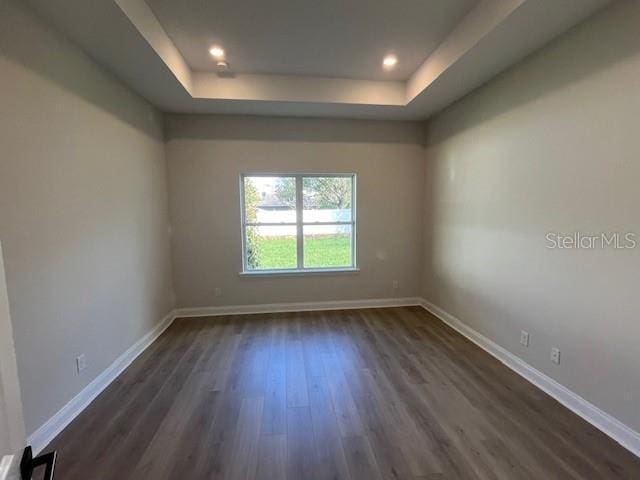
[
  {"x": 618, "y": 431},
  {"x": 297, "y": 307},
  {"x": 52, "y": 427},
  {"x": 612, "y": 427}
]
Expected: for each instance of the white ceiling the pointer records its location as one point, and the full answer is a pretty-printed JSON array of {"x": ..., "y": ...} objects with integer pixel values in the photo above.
[
  {"x": 280, "y": 59},
  {"x": 328, "y": 38}
]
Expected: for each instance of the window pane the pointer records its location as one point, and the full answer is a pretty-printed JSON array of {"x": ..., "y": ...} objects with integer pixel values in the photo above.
[
  {"x": 271, "y": 247},
  {"x": 327, "y": 246},
  {"x": 270, "y": 199},
  {"x": 326, "y": 199}
]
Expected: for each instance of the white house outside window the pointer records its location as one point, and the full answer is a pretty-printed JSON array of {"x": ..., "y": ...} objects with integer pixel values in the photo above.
[{"x": 298, "y": 222}]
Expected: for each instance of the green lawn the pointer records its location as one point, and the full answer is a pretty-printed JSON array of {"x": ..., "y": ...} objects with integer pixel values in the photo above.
[{"x": 319, "y": 251}]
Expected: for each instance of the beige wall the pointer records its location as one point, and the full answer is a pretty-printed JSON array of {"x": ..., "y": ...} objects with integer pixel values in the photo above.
[
  {"x": 206, "y": 155},
  {"x": 83, "y": 212},
  {"x": 553, "y": 145}
]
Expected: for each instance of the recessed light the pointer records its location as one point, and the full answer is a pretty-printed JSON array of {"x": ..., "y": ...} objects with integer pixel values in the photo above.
[
  {"x": 389, "y": 61},
  {"x": 216, "y": 51}
]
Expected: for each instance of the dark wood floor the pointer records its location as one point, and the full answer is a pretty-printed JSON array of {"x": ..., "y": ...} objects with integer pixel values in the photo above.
[{"x": 359, "y": 394}]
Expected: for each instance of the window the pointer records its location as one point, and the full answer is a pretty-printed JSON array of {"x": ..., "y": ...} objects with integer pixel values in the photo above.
[{"x": 293, "y": 223}]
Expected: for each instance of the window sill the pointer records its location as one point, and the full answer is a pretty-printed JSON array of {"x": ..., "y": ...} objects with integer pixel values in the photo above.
[{"x": 308, "y": 271}]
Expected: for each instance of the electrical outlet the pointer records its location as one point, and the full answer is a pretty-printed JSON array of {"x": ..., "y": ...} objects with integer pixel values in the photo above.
[
  {"x": 524, "y": 338},
  {"x": 81, "y": 363},
  {"x": 217, "y": 292},
  {"x": 555, "y": 355},
  {"x": 395, "y": 284}
]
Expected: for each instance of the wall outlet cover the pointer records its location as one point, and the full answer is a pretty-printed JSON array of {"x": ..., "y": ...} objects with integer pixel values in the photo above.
[
  {"x": 555, "y": 355},
  {"x": 81, "y": 363}
]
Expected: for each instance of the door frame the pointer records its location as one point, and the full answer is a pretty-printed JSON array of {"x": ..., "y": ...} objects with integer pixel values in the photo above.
[{"x": 9, "y": 383}]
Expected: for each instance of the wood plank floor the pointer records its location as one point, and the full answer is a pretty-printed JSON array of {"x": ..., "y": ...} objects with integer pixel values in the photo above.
[{"x": 359, "y": 394}]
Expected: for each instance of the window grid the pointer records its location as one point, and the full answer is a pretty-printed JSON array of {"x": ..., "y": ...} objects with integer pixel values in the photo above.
[{"x": 299, "y": 223}]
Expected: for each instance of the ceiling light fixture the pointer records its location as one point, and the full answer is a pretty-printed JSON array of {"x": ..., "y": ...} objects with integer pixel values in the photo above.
[
  {"x": 217, "y": 52},
  {"x": 389, "y": 61}
]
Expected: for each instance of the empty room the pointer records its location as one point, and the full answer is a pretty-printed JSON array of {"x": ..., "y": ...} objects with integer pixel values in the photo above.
[{"x": 319, "y": 240}]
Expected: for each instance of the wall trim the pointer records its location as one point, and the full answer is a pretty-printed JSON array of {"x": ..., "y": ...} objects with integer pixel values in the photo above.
[
  {"x": 58, "y": 422},
  {"x": 297, "y": 307},
  {"x": 612, "y": 427}
]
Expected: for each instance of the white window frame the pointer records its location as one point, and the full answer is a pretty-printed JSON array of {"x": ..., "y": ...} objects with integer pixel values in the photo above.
[{"x": 299, "y": 224}]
